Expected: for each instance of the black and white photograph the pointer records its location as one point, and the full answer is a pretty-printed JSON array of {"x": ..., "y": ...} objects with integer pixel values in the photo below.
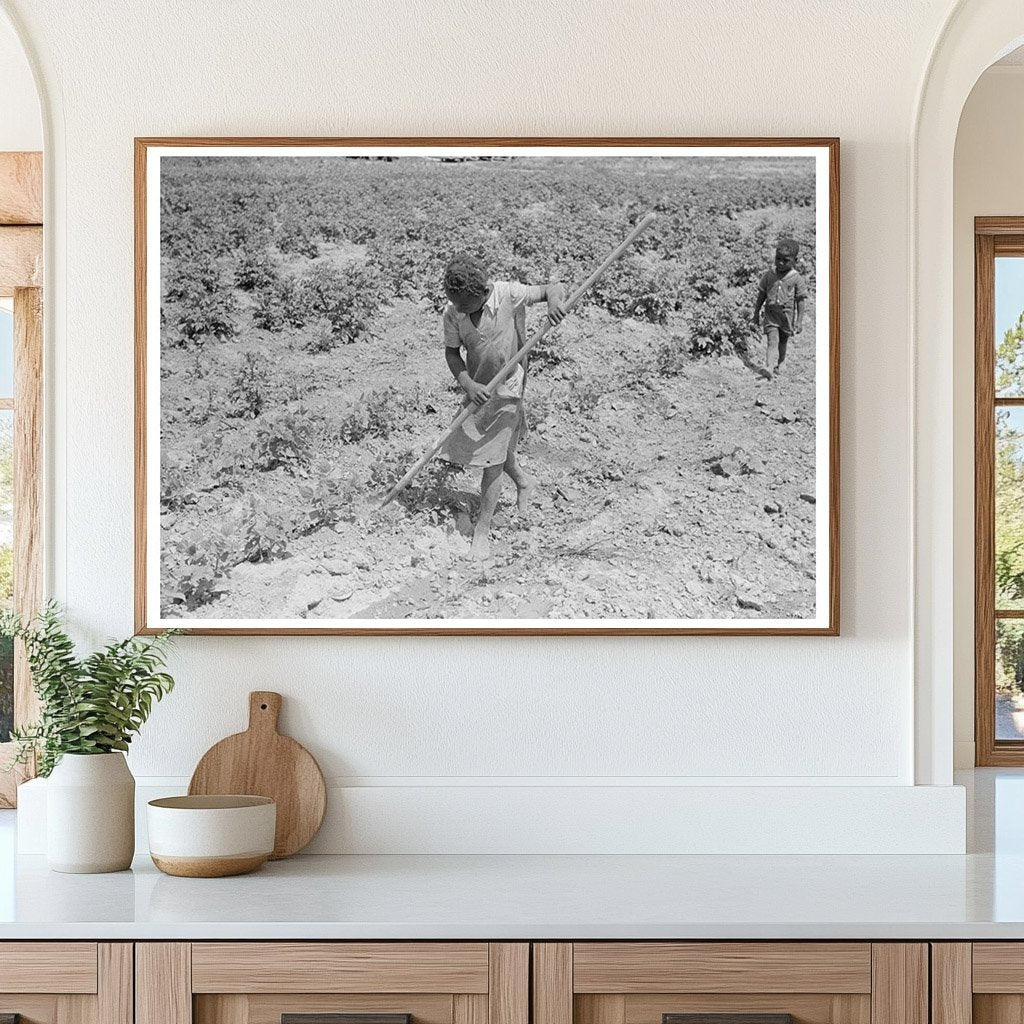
[{"x": 404, "y": 386}]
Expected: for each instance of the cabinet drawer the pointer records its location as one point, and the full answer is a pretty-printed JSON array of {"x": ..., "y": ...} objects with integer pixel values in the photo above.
[
  {"x": 332, "y": 983},
  {"x": 340, "y": 967},
  {"x": 730, "y": 983},
  {"x": 66, "y": 982},
  {"x": 634, "y": 967},
  {"x": 65, "y": 967}
]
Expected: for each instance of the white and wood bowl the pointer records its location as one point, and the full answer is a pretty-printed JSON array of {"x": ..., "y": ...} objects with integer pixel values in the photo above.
[{"x": 211, "y": 836}]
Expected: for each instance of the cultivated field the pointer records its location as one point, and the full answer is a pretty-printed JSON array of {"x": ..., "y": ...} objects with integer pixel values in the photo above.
[{"x": 302, "y": 371}]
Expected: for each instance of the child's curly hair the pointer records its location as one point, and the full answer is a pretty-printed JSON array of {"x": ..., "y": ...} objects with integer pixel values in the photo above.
[{"x": 465, "y": 275}]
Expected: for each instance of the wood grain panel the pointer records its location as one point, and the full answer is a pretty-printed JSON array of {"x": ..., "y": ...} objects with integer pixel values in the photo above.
[
  {"x": 998, "y": 1009},
  {"x": 850, "y": 1009},
  {"x": 951, "y": 983},
  {"x": 805, "y": 1009},
  {"x": 76, "y": 1009},
  {"x": 636, "y": 967},
  {"x": 229, "y": 1009},
  {"x": 267, "y": 1009},
  {"x": 984, "y": 502},
  {"x": 998, "y": 225},
  {"x": 115, "y": 983},
  {"x": 65, "y": 967},
  {"x": 593, "y": 1009},
  {"x": 33, "y": 1009},
  {"x": 899, "y": 990},
  {"x": 21, "y": 259},
  {"x": 508, "y": 993},
  {"x": 163, "y": 983},
  {"x": 339, "y": 967},
  {"x": 21, "y": 188},
  {"x": 998, "y": 967},
  {"x": 552, "y": 983},
  {"x": 469, "y": 1009}
]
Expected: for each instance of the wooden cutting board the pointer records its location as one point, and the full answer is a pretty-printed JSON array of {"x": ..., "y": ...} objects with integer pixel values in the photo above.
[{"x": 262, "y": 762}]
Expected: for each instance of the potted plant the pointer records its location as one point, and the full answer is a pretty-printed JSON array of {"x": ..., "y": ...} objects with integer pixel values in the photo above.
[{"x": 89, "y": 710}]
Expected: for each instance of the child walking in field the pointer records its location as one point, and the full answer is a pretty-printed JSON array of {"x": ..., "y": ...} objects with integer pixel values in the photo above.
[
  {"x": 487, "y": 320},
  {"x": 783, "y": 293}
]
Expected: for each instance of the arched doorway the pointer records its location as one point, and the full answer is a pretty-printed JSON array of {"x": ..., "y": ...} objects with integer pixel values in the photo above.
[{"x": 977, "y": 33}]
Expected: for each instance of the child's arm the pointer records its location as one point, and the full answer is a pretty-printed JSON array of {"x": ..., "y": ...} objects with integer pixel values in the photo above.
[
  {"x": 799, "y": 325},
  {"x": 761, "y": 297},
  {"x": 478, "y": 393},
  {"x": 553, "y": 292}
]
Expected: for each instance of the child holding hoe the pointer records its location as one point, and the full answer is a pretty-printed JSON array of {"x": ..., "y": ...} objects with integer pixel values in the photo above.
[{"x": 487, "y": 319}]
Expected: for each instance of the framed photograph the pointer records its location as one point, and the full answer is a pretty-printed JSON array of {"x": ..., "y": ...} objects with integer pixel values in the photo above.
[{"x": 499, "y": 386}]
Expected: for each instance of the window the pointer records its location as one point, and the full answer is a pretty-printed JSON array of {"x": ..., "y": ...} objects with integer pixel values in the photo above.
[
  {"x": 21, "y": 364},
  {"x": 999, "y": 490}
]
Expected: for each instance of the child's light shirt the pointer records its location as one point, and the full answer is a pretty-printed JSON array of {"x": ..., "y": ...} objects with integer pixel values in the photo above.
[
  {"x": 499, "y": 335},
  {"x": 781, "y": 295}
]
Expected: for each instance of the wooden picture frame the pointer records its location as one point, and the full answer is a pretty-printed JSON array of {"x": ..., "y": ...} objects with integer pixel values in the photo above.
[{"x": 789, "y": 543}]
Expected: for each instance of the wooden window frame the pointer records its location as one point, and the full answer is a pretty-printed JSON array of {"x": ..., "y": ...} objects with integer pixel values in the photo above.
[
  {"x": 21, "y": 278},
  {"x": 993, "y": 236}
]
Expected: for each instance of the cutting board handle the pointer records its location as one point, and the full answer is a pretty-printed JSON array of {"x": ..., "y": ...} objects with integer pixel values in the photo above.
[{"x": 264, "y": 710}]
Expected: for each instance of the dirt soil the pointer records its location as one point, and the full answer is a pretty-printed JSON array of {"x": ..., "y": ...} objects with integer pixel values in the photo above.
[{"x": 681, "y": 491}]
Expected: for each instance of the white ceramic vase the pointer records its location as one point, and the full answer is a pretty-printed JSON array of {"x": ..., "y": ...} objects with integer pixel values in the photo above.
[{"x": 90, "y": 814}]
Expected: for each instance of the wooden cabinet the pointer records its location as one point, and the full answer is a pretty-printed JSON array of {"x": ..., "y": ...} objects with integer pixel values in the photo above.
[
  {"x": 978, "y": 983},
  {"x": 754, "y": 982},
  {"x": 306, "y": 982},
  {"x": 494, "y": 983},
  {"x": 66, "y": 982}
]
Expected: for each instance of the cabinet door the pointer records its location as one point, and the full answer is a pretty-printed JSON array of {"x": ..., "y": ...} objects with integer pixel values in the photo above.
[
  {"x": 332, "y": 983},
  {"x": 981, "y": 982},
  {"x": 66, "y": 982},
  {"x": 730, "y": 983}
]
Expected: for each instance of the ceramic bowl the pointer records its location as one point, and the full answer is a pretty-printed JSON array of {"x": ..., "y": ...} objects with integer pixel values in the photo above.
[{"x": 211, "y": 836}]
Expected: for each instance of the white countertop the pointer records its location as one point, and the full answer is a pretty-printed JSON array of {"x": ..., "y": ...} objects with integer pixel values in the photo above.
[
  {"x": 977, "y": 896},
  {"x": 516, "y": 897}
]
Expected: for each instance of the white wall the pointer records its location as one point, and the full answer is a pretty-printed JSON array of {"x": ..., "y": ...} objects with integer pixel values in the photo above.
[
  {"x": 987, "y": 182},
  {"x": 21, "y": 127},
  {"x": 437, "y": 714}
]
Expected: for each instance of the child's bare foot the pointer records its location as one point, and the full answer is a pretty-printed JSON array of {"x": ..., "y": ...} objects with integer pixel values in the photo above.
[
  {"x": 481, "y": 547},
  {"x": 524, "y": 492}
]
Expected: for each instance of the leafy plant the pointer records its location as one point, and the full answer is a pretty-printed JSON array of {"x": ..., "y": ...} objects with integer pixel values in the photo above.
[
  {"x": 248, "y": 388},
  {"x": 205, "y": 559},
  {"x": 346, "y": 299},
  {"x": 210, "y": 315},
  {"x": 717, "y": 325},
  {"x": 327, "y": 498},
  {"x": 284, "y": 439},
  {"x": 265, "y": 536},
  {"x": 376, "y": 414},
  {"x": 90, "y": 705},
  {"x": 671, "y": 357},
  {"x": 254, "y": 269},
  {"x": 279, "y": 303}
]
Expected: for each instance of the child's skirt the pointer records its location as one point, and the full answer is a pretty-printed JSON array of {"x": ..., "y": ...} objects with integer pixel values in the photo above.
[{"x": 486, "y": 437}]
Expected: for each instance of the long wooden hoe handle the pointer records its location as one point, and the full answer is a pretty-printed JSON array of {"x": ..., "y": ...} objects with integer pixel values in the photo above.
[{"x": 518, "y": 358}]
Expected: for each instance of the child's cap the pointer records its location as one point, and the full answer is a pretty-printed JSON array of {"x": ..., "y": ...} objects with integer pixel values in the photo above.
[
  {"x": 787, "y": 247},
  {"x": 465, "y": 275}
]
